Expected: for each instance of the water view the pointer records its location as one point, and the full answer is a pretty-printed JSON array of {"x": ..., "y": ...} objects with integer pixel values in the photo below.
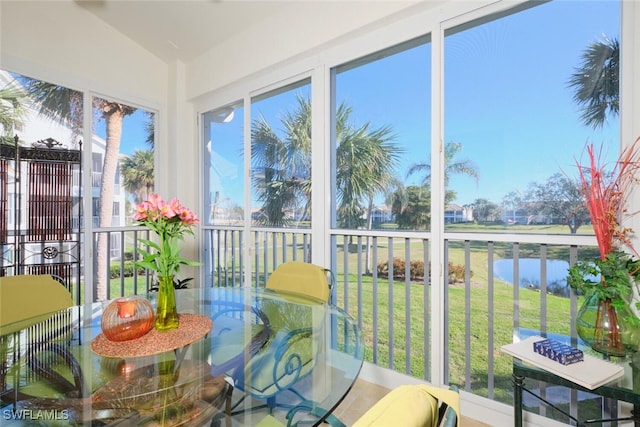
[{"x": 530, "y": 273}]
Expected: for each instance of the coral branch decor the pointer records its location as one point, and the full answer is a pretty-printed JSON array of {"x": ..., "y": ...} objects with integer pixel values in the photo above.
[
  {"x": 170, "y": 221},
  {"x": 606, "y": 320}
]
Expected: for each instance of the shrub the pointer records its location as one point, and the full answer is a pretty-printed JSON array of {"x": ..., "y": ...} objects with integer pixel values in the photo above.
[
  {"x": 456, "y": 273},
  {"x": 416, "y": 270},
  {"x": 398, "y": 268},
  {"x": 128, "y": 270}
]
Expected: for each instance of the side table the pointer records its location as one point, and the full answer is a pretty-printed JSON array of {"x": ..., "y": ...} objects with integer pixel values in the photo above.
[{"x": 616, "y": 390}]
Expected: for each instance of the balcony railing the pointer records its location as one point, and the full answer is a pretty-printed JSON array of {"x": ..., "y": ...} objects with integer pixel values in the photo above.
[{"x": 392, "y": 299}]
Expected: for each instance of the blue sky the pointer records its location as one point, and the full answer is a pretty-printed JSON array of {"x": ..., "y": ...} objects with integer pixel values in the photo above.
[
  {"x": 134, "y": 133},
  {"x": 506, "y": 96},
  {"x": 522, "y": 125},
  {"x": 506, "y": 100}
]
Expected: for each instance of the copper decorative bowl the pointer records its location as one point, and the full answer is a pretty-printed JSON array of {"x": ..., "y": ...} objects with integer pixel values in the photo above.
[{"x": 127, "y": 318}]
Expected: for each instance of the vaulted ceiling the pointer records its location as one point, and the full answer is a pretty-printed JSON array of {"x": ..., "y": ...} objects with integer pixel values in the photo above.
[
  {"x": 180, "y": 29},
  {"x": 185, "y": 29}
]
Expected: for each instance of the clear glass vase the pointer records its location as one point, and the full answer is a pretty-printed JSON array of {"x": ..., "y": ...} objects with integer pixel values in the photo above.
[
  {"x": 166, "y": 311},
  {"x": 608, "y": 329}
]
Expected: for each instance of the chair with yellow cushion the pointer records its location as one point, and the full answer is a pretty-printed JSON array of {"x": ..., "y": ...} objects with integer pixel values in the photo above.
[
  {"x": 273, "y": 370},
  {"x": 36, "y": 305},
  {"x": 301, "y": 278},
  {"x": 30, "y": 299},
  {"x": 293, "y": 337},
  {"x": 419, "y": 405},
  {"x": 288, "y": 354}
]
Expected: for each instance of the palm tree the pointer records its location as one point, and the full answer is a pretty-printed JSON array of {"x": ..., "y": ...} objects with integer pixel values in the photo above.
[
  {"x": 597, "y": 82},
  {"x": 59, "y": 103},
  {"x": 12, "y": 110},
  {"x": 137, "y": 174},
  {"x": 113, "y": 113},
  {"x": 452, "y": 166},
  {"x": 282, "y": 167},
  {"x": 150, "y": 129},
  {"x": 366, "y": 160},
  {"x": 65, "y": 105}
]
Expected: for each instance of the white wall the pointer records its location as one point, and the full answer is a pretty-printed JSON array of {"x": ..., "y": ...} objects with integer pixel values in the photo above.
[
  {"x": 295, "y": 31},
  {"x": 60, "y": 42}
]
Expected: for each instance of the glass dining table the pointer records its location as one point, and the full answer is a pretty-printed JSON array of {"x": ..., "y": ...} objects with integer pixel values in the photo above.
[{"x": 240, "y": 357}]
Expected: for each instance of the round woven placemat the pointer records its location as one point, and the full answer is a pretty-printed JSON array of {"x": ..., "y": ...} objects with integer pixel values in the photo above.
[{"x": 191, "y": 328}]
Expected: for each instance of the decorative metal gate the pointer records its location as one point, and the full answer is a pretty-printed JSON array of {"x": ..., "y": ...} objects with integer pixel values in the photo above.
[{"x": 41, "y": 207}]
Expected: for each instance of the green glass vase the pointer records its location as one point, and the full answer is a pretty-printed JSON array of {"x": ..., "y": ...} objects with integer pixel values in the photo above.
[
  {"x": 166, "y": 311},
  {"x": 608, "y": 329}
]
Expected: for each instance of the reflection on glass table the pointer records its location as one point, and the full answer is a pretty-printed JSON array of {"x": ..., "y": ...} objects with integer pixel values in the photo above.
[{"x": 269, "y": 355}]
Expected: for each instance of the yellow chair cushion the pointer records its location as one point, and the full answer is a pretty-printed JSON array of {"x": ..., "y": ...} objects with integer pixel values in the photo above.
[
  {"x": 409, "y": 406},
  {"x": 269, "y": 421},
  {"x": 300, "y": 277},
  {"x": 26, "y": 297}
]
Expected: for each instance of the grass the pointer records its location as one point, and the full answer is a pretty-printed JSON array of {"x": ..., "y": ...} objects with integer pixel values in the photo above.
[
  {"x": 516, "y": 229},
  {"x": 492, "y": 312},
  {"x": 405, "y": 301},
  {"x": 497, "y": 384}
]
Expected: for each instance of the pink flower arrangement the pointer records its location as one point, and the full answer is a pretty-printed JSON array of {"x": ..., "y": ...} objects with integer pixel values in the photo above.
[{"x": 170, "y": 221}]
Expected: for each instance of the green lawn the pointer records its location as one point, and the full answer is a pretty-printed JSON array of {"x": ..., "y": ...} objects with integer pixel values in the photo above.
[
  {"x": 497, "y": 308},
  {"x": 529, "y": 306}
]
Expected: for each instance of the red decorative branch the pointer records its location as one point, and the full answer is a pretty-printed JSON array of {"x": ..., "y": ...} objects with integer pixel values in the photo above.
[{"x": 606, "y": 196}]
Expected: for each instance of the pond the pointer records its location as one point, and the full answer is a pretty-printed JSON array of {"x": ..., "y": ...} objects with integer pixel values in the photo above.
[{"x": 529, "y": 274}]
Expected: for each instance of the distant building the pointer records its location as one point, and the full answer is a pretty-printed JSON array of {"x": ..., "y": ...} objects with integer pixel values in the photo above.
[
  {"x": 381, "y": 214},
  {"x": 455, "y": 213},
  {"x": 524, "y": 216}
]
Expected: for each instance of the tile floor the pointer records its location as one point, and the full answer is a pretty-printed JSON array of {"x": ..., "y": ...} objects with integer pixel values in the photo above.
[{"x": 364, "y": 394}]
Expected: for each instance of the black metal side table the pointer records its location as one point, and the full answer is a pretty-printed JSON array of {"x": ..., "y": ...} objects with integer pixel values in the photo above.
[{"x": 620, "y": 390}]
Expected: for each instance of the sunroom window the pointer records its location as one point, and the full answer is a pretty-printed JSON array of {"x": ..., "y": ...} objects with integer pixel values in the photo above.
[{"x": 382, "y": 139}]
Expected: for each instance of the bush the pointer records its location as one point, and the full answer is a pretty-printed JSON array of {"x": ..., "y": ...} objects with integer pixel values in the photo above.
[
  {"x": 456, "y": 273},
  {"x": 398, "y": 268},
  {"x": 416, "y": 270},
  {"x": 128, "y": 270}
]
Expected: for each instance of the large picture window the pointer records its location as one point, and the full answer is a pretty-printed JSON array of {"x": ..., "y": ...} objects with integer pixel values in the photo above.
[
  {"x": 40, "y": 167},
  {"x": 281, "y": 157},
  {"x": 382, "y": 131},
  {"x": 224, "y": 161},
  {"x": 511, "y": 112},
  {"x": 515, "y": 106}
]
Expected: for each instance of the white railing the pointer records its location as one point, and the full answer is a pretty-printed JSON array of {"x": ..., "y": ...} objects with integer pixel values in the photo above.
[{"x": 391, "y": 299}]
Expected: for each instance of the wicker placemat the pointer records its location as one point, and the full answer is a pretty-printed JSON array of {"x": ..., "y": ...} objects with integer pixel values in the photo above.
[{"x": 191, "y": 328}]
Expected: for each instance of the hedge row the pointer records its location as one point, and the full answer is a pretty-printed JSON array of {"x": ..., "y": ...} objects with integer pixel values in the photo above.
[
  {"x": 416, "y": 270},
  {"x": 128, "y": 270}
]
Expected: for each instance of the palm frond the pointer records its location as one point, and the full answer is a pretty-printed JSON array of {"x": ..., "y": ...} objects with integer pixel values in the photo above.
[{"x": 596, "y": 82}]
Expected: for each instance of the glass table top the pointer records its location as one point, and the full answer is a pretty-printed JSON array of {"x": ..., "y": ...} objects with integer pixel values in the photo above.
[{"x": 267, "y": 351}]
